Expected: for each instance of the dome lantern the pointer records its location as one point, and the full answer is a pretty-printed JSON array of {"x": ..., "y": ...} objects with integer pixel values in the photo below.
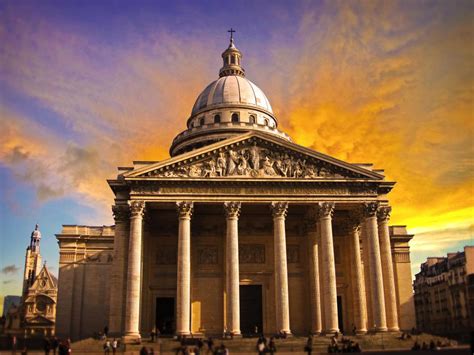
[{"x": 232, "y": 58}]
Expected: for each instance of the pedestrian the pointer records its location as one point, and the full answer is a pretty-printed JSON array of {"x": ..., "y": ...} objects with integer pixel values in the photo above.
[
  {"x": 14, "y": 344},
  {"x": 261, "y": 348},
  {"x": 46, "y": 346},
  {"x": 107, "y": 347},
  {"x": 309, "y": 345},
  {"x": 106, "y": 331},
  {"x": 63, "y": 348},
  {"x": 271, "y": 346},
  {"x": 153, "y": 334},
  {"x": 114, "y": 346},
  {"x": 151, "y": 351},
  {"x": 54, "y": 345},
  {"x": 143, "y": 351},
  {"x": 210, "y": 345},
  {"x": 24, "y": 351}
]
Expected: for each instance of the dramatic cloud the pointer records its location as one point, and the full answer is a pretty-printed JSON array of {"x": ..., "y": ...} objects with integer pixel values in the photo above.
[
  {"x": 383, "y": 82},
  {"x": 10, "y": 269}
]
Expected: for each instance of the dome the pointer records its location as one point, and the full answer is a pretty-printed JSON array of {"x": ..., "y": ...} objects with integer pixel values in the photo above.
[
  {"x": 229, "y": 106},
  {"x": 232, "y": 89}
]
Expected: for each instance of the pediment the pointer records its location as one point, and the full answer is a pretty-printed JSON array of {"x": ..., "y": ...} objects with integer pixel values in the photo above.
[
  {"x": 253, "y": 156},
  {"x": 39, "y": 320},
  {"x": 44, "y": 281}
]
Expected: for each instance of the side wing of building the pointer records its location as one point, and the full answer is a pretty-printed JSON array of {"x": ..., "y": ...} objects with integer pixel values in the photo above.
[{"x": 86, "y": 254}]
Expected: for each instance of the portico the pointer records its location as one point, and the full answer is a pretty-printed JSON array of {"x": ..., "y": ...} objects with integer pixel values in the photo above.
[{"x": 218, "y": 248}]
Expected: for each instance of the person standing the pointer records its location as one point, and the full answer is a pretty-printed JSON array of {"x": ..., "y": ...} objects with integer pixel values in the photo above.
[
  {"x": 46, "y": 346},
  {"x": 309, "y": 345},
  {"x": 54, "y": 345},
  {"x": 107, "y": 347},
  {"x": 114, "y": 346}
]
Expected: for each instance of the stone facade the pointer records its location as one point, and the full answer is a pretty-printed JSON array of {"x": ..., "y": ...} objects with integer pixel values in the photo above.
[
  {"x": 85, "y": 257},
  {"x": 444, "y": 294},
  {"x": 240, "y": 228}
]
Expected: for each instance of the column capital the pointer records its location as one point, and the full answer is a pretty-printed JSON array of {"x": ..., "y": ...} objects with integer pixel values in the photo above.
[
  {"x": 185, "y": 209},
  {"x": 370, "y": 209},
  {"x": 279, "y": 209},
  {"x": 354, "y": 221},
  {"x": 383, "y": 213},
  {"x": 326, "y": 209},
  {"x": 121, "y": 213},
  {"x": 232, "y": 209},
  {"x": 137, "y": 208}
]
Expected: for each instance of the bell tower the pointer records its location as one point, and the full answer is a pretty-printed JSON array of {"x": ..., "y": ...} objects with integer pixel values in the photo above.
[{"x": 32, "y": 260}]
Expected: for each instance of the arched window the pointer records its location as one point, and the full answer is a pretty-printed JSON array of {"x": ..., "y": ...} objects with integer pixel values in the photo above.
[
  {"x": 191, "y": 125},
  {"x": 232, "y": 59},
  {"x": 217, "y": 119},
  {"x": 252, "y": 119},
  {"x": 267, "y": 122},
  {"x": 201, "y": 121},
  {"x": 235, "y": 117}
]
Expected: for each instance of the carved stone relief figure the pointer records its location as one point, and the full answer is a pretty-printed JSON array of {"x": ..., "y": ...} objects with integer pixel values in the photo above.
[
  {"x": 253, "y": 161},
  {"x": 252, "y": 254}
]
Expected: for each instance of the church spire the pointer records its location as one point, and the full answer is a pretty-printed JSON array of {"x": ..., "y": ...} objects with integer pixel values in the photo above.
[
  {"x": 232, "y": 59},
  {"x": 35, "y": 239}
]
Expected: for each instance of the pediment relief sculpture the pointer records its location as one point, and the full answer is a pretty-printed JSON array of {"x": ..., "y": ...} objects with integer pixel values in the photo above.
[{"x": 253, "y": 161}]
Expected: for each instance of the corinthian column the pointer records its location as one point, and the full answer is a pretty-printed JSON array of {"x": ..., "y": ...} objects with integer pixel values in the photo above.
[
  {"x": 279, "y": 211},
  {"x": 326, "y": 210},
  {"x": 312, "y": 231},
  {"x": 118, "y": 272},
  {"x": 383, "y": 215},
  {"x": 132, "y": 297},
  {"x": 232, "y": 211},
  {"x": 183, "y": 291},
  {"x": 360, "y": 301},
  {"x": 375, "y": 267}
]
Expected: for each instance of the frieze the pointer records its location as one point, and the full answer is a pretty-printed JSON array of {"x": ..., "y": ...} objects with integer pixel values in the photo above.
[
  {"x": 166, "y": 255},
  {"x": 293, "y": 254},
  {"x": 219, "y": 190},
  {"x": 252, "y": 254},
  {"x": 208, "y": 255},
  {"x": 252, "y": 160}
]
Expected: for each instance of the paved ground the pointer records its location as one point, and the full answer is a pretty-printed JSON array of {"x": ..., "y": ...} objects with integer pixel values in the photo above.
[{"x": 451, "y": 351}]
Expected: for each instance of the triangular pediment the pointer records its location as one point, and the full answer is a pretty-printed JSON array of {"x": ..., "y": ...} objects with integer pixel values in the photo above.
[
  {"x": 253, "y": 155},
  {"x": 44, "y": 280}
]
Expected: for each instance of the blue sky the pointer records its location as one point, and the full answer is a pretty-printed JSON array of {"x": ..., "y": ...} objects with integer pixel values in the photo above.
[{"x": 86, "y": 86}]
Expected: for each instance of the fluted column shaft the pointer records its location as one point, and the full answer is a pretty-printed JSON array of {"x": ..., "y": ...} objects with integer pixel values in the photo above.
[
  {"x": 360, "y": 302},
  {"x": 183, "y": 291},
  {"x": 383, "y": 216},
  {"x": 132, "y": 297},
  {"x": 279, "y": 211},
  {"x": 375, "y": 266},
  {"x": 117, "y": 279},
  {"x": 326, "y": 210},
  {"x": 232, "y": 211},
  {"x": 312, "y": 228}
]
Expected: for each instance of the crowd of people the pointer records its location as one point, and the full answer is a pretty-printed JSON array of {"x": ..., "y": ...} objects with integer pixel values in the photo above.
[{"x": 346, "y": 345}]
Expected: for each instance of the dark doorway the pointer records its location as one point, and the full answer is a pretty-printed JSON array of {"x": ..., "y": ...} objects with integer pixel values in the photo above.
[
  {"x": 340, "y": 320},
  {"x": 165, "y": 315},
  {"x": 251, "y": 314}
]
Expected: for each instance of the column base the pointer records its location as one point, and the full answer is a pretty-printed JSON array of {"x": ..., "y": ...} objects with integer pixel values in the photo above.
[
  {"x": 394, "y": 329},
  {"x": 331, "y": 332},
  {"x": 133, "y": 338},
  {"x": 379, "y": 330},
  {"x": 316, "y": 332},
  {"x": 361, "y": 331},
  {"x": 284, "y": 334}
]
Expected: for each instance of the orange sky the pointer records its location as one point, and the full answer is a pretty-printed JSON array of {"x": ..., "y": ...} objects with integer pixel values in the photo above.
[{"x": 390, "y": 83}]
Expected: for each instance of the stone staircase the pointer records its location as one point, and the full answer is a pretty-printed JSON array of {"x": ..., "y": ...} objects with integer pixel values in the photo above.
[{"x": 248, "y": 345}]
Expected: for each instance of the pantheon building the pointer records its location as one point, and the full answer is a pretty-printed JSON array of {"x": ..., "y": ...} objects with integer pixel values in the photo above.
[{"x": 240, "y": 230}]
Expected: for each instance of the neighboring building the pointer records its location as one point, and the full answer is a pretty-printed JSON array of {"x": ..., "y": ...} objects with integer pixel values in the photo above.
[
  {"x": 241, "y": 227},
  {"x": 10, "y": 301},
  {"x": 36, "y": 313},
  {"x": 444, "y": 293}
]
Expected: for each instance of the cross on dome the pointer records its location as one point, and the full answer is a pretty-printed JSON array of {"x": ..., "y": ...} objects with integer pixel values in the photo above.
[{"x": 232, "y": 59}]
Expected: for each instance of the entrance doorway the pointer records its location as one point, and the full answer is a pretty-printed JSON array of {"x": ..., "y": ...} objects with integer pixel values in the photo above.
[
  {"x": 251, "y": 309},
  {"x": 164, "y": 319},
  {"x": 340, "y": 320}
]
